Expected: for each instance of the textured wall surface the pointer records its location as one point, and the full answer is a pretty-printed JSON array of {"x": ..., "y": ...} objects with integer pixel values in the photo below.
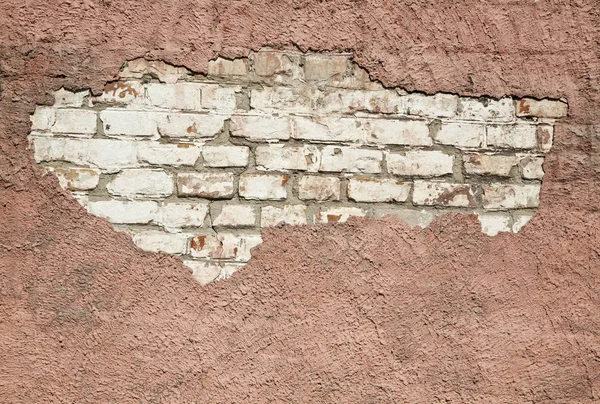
[{"x": 364, "y": 311}]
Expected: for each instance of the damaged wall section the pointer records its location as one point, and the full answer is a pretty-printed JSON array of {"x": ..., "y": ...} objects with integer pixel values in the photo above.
[{"x": 196, "y": 165}]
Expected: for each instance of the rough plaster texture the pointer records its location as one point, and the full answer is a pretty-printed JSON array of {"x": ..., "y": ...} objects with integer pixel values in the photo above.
[{"x": 367, "y": 311}]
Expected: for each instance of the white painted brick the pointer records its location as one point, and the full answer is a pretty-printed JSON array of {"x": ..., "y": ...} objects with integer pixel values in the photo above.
[
  {"x": 512, "y": 136},
  {"x": 205, "y": 271},
  {"x": 173, "y": 154},
  {"x": 218, "y": 98},
  {"x": 532, "y": 168},
  {"x": 175, "y": 216},
  {"x": 66, "y": 98},
  {"x": 438, "y": 105},
  {"x": 324, "y": 67},
  {"x": 328, "y": 129},
  {"x": 511, "y": 196},
  {"x": 59, "y": 149},
  {"x": 141, "y": 183},
  {"x": 184, "y": 96},
  {"x": 224, "y": 246},
  {"x": 211, "y": 185},
  {"x": 541, "y": 108},
  {"x": 224, "y": 67},
  {"x": 77, "y": 179},
  {"x": 236, "y": 216},
  {"x": 276, "y": 157},
  {"x": 474, "y": 109},
  {"x": 123, "y": 92},
  {"x": 261, "y": 128},
  {"x": 414, "y": 218},
  {"x": 111, "y": 155},
  {"x": 494, "y": 223},
  {"x": 187, "y": 126},
  {"x": 288, "y": 214},
  {"x": 125, "y": 212},
  {"x": 400, "y": 132},
  {"x": 43, "y": 118},
  {"x": 319, "y": 188},
  {"x": 485, "y": 164},
  {"x": 82, "y": 198},
  {"x": 225, "y": 156},
  {"x": 263, "y": 186},
  {"x": 76, "y": 121},
  {"x": 348, "y": 159},
  {"x": 338, "y": 215},
  {"x": 460, "y": 135},
  {"x": 377, "y": 190},
  {"x": 121, "y": 122},
  {"x": 425, "y": 163},
  {"x": 443, "y": 194},
  {"x": 352, "y": 101},
  {"x": 158, "y": 241},
  {"x": 282, "y": 99},
  {"x": 520, "y": 220}
]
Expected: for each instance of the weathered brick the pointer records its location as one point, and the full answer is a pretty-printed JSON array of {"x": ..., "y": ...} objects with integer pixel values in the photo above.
[
  {"x": 532, "y": 168},
  {"x": 141, "y": 183},
  {"x": 424, "y": 163},
  {"x": 77, "y": 179},
  {"x": 352, "y": 101},
  {"x": 261, "y": 128},
  {"x": 541, "y": 108},
  {"x": 494, "y": 223},
  {"x": 111, "y": 155},
  {"x": 189, "y": 125},
  {"x": 123, "y": 92},
  {"x": 288, "y": 214},
  {"x": 140, "y": 67},
  {"x": 545, "y": 135},
  {"x": 158, "y": 241},
  {"x": 443, "y": 194},
  {"x": 325, "y": 67},
  {"x": 263, "y": 186},
  {"x": 511, "y": 196},
  {"x": 235, "y": 216},
  {"x": 460, "y": 135},
  {"x": 184, "y": 96},
  {"x": 338, "y": 215},
  {"x": 282, "y": 99},
  {"x": 412, "y": 217},
  {"x": 225, "y": 156},
  {"x": 66, "y": 98},
  {"x": 277, "y": 157},
  {"x": 319, "y": 188},
  {"x": 224, "y": 246},
  {"x": 377, "y": 190},
  {"x": 175, "y": 216},
  {"x": 485, "y": 109},
  {"x": 512, "y": 136},
  {"x": 124, "y": 212},
  {"x": 121, "y": 122},
  {"x": 43, "y": 118},
  {"x": 486, "y": 164},
  {"x": 218, "y": 98},
  {"x": 173, "y": 154},
  {"x": 268, "y": 63},
  {"x": 348, "y": 159},
  {"x": 393, "y": 131},
  {"x": 205, "y": 185},
  {"x": 437, "y": 105},
  {"x": 520, "y": 220},
  {"x": 224, "y": 67},
  {"x": 328, "y": 129},
  {"x": 75, "y": 121},
  {"x": 205, "y": 271}
]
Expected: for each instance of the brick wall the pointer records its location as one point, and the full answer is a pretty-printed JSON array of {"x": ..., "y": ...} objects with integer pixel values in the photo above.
[{"x": 195, "y": 165}]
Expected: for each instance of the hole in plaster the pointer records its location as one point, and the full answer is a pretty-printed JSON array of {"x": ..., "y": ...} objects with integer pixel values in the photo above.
[{"x": 195, "y": 165}]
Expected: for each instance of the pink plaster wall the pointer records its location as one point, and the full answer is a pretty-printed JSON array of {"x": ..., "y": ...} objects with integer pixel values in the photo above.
[{"x": 368, "y": 311}]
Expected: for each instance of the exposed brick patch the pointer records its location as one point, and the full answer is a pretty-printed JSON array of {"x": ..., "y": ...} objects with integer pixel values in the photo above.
[{"x": 195, "y": 165}]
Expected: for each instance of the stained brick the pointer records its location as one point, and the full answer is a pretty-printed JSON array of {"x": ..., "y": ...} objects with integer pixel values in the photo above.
[
  {"x": 331, "y": 130},
  {"x": 283, "y": 158},
  {"x": 288, "y": 214},
  {"x": 282, "y": 99},
  {"x": 511, "y": 196},
  {"x": 485, "y": 164},
  {"x": 437, "y": 105},
  {"x": 541, "y": 108},
  {"x": 348, "y": 159},
  {"x": 236, "y": 216},
  {"x": 319, "y": 188},
  {"x": 158, "y": 241},
  {"x": 377, "y": 190},
  {"x": 173, "y": 154},
  {"x": 532, "y": 168},
  {"x": 184, "y": 96},
  {"x": 213, "y": 185},
  {"x": 338, "y": 214},
  {"x": 398, "y": 132},
  {"x": 263, "y": 186},
  {"x": 424, "y": 163},
  {"x": 486, "y": 109},
  {"x": 175, "y": 216},
  {"x": 512, "y": 136},
  {"x": 460, "y": 135},
  {"x": 261, "y": 128},
  {"x": 325, "y": 67},
  {"x": 443, "y": 194},
  {"x": 77, "y": 179},
  {"x": 225, "y": 156},
  {"x": 225, "y": 67},
  {"x": 224, "y": 246}
]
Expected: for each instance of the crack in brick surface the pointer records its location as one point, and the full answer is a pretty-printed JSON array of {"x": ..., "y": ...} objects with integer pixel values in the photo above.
[{"x": 195, "y": 165}]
